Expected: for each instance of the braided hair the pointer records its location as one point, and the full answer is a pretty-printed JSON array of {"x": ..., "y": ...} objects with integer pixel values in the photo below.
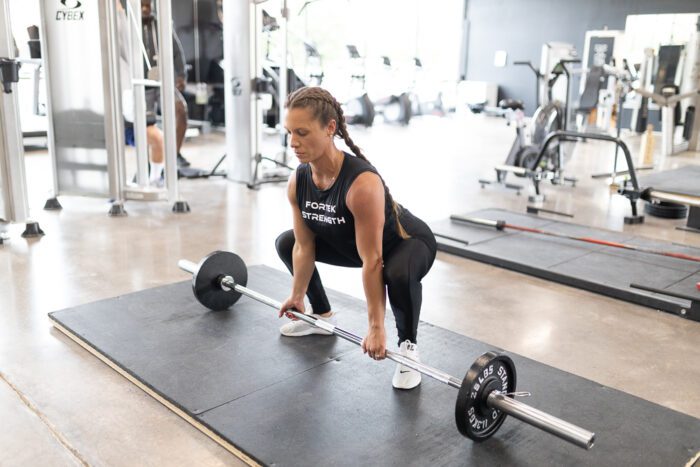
[{"x": 325, "y": 108}]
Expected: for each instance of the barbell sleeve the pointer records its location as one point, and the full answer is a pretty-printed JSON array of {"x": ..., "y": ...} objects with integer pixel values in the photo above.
[
  {"x": 498, "y": 224},
  {"x": 542, "y": 420},
  {"x": 187, "y": 266}
]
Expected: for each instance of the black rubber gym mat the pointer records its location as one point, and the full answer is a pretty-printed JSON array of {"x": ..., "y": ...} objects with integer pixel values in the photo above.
[
  {"x": 319, "y": 401},
  {"x": 598, "y": 268},
  {"x": 683, "y": 181}
]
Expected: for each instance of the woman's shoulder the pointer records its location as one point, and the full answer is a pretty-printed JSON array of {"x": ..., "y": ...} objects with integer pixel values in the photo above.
[
  {"x": 358, "y": 164},
  {"x": 359, "y": 169}
]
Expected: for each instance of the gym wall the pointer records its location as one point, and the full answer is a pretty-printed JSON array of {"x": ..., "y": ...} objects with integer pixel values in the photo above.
[{"x": 521, "y": 27}]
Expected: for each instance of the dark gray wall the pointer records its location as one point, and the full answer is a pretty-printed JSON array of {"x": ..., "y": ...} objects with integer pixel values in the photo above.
[{"x": 520, "y": 27}]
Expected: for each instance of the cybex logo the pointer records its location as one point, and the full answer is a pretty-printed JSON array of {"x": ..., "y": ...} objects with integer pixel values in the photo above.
[
  {"x": 72, "y": 13},
  {"x": 236, "y": 86},
  {"x": 72, "y": 4}
]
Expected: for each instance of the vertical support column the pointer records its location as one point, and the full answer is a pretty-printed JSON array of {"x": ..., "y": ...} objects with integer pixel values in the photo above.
[
  {"x": 197, "y": 53},
  {"x": 283, "y": 91},
  {"x": 256, "y": 111},
  {"x": 113, "y": 115},
  {"x": 464, "y": 46},
  {"x": 667, "y": 130},
  {"x": 238, "y": 89},
  {"x": 167, "y": 98},
  {"x": 14, "y": 206},
  {"x": 694, "y": 79},
  {"x": 135, "y": 48},
  {"x": 78, "y": 96},
  {"x": 52, "y": 200}
]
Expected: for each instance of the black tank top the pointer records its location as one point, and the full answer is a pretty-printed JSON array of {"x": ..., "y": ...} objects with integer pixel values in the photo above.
[{"x": 328, "y": 216}]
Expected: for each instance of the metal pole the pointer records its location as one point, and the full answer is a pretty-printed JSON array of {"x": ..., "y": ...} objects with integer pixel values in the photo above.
[
  {"x": 283, "y": 91},
  {"x": 559, "y": 134},
  {"x": 187, "y": 266},
  {"x": 113, "y": 120},
  {"x": 197, "y": 53},
  {"x": 50, "y": 139},
  {"x": 238, "y": 90},
  {"x": 544, "y": 421},
  {"x": 256, "y": 111},
  {"x": 167, "y": 99},
  {"x": 688, "y": 200},
  {"x": 618, "y": 124},
  {"x": 495, "y": 399},
  {"x": 501, "y": 225},
  {"x": 227, "y": 281},
  {"x": 133, "y": 10},
  {"x": 693, "y": 80},
  {"x": 13, "y": 182}
]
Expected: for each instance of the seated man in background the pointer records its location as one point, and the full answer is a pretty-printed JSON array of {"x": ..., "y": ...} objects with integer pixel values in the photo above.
[
  {"x": 155, "y": 144},
  {"x": 154, "y": 136},
  {"x": 150, "y": 41}
]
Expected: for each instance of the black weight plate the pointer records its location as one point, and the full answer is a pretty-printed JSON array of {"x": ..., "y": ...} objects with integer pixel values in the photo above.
[
  {"x": 525, "y": 158},
  {"x": 528, "y": 155},
  {"x": 491, "y": 371},
  {"x": 206, "y": 282},
  {"x": 666, "y": 210}
]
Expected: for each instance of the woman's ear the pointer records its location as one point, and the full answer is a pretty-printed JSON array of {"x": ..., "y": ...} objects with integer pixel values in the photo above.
[{"x": 331, "y": 128}]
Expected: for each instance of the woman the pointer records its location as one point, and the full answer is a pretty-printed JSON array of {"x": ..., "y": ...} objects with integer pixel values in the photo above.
[{"x": 344, "y": 215}]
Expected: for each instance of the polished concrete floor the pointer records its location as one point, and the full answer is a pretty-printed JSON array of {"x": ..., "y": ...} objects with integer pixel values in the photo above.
[{"x": 62, "y": 406}]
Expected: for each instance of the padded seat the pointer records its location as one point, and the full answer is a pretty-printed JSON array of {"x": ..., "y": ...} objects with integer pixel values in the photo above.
[{"x": 512, "y": 104}]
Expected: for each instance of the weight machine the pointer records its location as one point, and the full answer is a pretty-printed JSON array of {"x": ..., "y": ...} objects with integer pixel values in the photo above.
[
  {"x": 245, "y": 88},
  {"x": 529, "y": 157},
  {"x": 14, "y": 206}
]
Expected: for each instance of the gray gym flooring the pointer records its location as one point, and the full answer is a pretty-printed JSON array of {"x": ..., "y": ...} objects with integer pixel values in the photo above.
[
  {"x": 598, "y": 268},
  {"x": 83, "y": 411},
  {"x": 682, "y": 181},
  {"x": 319, "y": 401}
]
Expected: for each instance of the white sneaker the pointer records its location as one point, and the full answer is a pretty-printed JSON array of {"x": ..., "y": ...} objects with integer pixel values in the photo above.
[
  {"x": 300, "y": 328},
  {"x": 405, "y": 377}
]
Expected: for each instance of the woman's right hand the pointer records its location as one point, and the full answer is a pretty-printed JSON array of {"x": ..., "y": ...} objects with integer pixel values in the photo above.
[{"x": 292, "y": 302}]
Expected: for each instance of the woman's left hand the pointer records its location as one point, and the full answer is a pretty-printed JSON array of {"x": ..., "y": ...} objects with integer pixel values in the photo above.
[{"x": 374, "y": 343}]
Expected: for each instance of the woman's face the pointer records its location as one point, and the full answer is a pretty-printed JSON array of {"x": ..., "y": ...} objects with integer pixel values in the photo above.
[{"x": 308, "y": 138}]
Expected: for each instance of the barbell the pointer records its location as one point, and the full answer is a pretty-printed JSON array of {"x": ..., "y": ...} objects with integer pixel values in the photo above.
[{"x": 486, "y": 393}]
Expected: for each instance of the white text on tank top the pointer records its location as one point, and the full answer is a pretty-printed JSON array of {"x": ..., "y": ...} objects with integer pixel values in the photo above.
[{"x": 321, "y": 212}]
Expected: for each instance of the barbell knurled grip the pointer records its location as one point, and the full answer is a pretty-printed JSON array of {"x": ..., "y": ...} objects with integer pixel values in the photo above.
[{"x": 325, "y": 325}]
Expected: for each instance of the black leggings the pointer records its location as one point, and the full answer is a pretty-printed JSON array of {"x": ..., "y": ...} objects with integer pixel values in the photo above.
[{"x": 404, "y": 267}]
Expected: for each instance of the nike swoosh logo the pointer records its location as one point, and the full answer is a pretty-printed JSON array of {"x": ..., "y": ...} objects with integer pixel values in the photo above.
[{"x": 404, "y": 371}]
